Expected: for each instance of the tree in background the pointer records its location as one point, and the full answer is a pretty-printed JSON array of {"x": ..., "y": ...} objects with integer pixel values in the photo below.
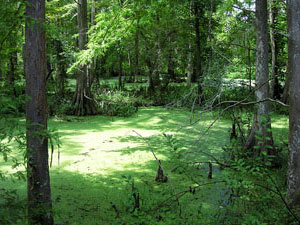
[
  {"x": 261, "y": 135},
  {"x": 38, "y": 180},
  {"x": 293, "y": 178},
  {"x": 83, "y": 99}
]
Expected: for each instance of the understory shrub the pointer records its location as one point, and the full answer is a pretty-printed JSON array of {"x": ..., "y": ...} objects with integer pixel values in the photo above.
[
  {"x": 59, "y": 106},
  {"x": 256, "y": 189}
]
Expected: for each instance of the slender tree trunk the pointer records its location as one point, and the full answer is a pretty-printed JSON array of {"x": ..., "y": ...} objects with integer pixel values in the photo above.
[
  {"x": 38, "y": 180},
  {"x": 157, "y": 68},
  {"x": 171, "y": 61},
  {"x": 150, "y": 65},
  {"x": 13, "y": 61},
  {"x": 262, "y": 122},
  {"x": 131, "y": 77},
  {"x": 83, "y": 99},
  {"x": 293, "y": 178},
  {"x": 1, "y": 69},
  {"x": 136, "y": 52},
  {"x": 120, "y": 67},
  {"x": 190, "y": 56},
  {"x": 198, "y": 66},
  {"x": 93, "y": 11},
  {"x": 190, "y": 66},
  {"x": 92, "y": 65},
  {"x": 61, "y": 69},
  {"x": 249, "y": 63}
]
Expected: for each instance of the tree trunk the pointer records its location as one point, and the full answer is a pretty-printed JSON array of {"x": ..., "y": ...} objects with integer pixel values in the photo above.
[
  {"x": 61, "y": 70},
  {"x": 171, "y": 61},
  {"x": 274, "y": 79},
  {"x": 249, "y": 63},
  {"x": 293, "y": 179},
  {"x": 190, "y": 57},
  {"x": 38, "y": 180},
  {"x": 131, "y": 77},
  {"x": 13, "y": 61},
  {"x": 190, "y": 66},
  {"x": 83, "y": 100},
  {"x": 120, "y": 67},
  {"x": 136, "y": 51},
  {"x": 198, "y": 67},
  {"x": 262, "y": 123},
  {"x": 285, "y": 95},
  {"x": 155, "y": 68},
  {"x": 93, "y": 12}
]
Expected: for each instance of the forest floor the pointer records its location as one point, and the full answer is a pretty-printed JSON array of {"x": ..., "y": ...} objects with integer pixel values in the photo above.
[{"x": 103, "y": 163}]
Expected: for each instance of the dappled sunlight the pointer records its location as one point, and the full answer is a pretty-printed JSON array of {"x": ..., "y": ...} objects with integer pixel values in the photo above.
[{"x": 100, "y": 158}]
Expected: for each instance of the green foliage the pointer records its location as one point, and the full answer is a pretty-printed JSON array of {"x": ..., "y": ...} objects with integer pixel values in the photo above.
[
  {"x": 255, "y": 197},
  {"x": 59, "y": 106},
  {"x": 256, "y": 188},
  {"x": 12, "y": 208},
  {"x": 11, "y": 105},
  {"x": 117, "y": 103},
  {"x": 232, "y": 93}
]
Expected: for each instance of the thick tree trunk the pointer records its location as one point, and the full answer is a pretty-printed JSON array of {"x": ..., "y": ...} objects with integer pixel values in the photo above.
[
  {"x": 83, "y": 100},
  {"x": 38, "y": 180},
  {"x": 293, "y": 194},
  {"x": 262, "y": 122},
  {"x": 274, "y": 79},
  {"x": 285, "y": 95}
]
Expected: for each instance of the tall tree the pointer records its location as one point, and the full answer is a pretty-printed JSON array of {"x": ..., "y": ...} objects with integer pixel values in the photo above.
[
  {"x": 83, "y": 99},
  {"x": 293, "y": 194},
  {"x": 38, "y": 180},
  {"x": 261, "y": 134},
  {"x": 274, "y": 79},
  {"x": 198, "y": 67},
  {"x": 136, "y": 50}
]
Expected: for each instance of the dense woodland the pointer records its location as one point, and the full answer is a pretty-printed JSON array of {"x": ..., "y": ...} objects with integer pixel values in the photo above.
[{"x": 149, "y": 112}]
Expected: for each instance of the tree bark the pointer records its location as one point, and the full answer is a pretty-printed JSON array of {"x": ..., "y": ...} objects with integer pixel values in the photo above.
[
  {"x": 293, "y": 179},
  {"x": 190, "y": 71},
  {"x": 61, "y": 70},
  {"x": 136, "y": 52},
  {"x": 198, "y": 66},
  {"x": 13, "y": 61},
  {"x": 120, "y": 66},
  {"x": 274, "y": 79},
  {"x": 38, "y": 180},
  {"x": 83, "y": 99},
  {"x": 157, "y": 67},
  {"x": 262, "y": 123},
  {"x": 171, "y": 60},
  {"x": 285, "y": 95},
  {"x": 190, "y": 66}
]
